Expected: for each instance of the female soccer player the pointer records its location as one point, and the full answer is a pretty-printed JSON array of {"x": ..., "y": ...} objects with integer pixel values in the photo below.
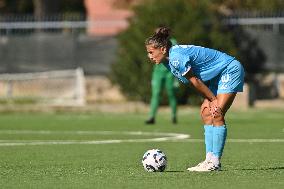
[{"x": 216, "y": 76}]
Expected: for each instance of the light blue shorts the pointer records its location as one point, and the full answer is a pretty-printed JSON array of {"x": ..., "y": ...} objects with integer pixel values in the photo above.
[{"x": 230, "y": 80}]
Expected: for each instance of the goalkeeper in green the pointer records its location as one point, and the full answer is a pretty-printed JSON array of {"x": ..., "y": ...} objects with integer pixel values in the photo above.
[{"x": 163, "y": 78}]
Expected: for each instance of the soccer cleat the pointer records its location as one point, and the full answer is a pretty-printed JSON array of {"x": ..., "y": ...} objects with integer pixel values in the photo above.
[
  {"x": 198, "y": 166},
  {"x": 205, "y": 166},
  {"x": 212, "y": 167},
  {"x": 150, "y": 121}
]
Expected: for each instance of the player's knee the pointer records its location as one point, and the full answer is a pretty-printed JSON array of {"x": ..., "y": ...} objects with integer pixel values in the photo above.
[
  {"x": 205, "y": 112},
  {"x": 206, "y": 116},
  {"x": 218, "y": 118}
]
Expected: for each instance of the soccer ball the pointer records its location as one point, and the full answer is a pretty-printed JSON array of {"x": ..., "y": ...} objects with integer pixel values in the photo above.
[{"x": 154, "y": 161}]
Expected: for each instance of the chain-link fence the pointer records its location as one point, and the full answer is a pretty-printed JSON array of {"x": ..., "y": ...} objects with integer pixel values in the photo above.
[
  {"x": 54, "y": 43},
  {"x": 267, "y": 30}
]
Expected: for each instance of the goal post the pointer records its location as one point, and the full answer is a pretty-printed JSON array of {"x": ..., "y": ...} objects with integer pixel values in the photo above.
[{"x": 61, "y": 87}]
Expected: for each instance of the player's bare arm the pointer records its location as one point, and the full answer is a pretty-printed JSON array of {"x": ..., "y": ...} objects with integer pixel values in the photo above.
[
  {"x": 205, "y": 91},
  {"x": 200, "y": 86}
]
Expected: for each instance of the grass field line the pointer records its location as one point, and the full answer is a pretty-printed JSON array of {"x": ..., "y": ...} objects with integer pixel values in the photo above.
[
  {"x": 159, "y": 137},
  {"x": 71, "y": 142},
  {"x": 137, "y": 133}
]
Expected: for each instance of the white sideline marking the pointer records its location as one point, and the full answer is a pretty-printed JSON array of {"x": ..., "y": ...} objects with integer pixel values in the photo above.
[
  {"x": 173, "y": 137},
  {"x": 160, "y": 137},
  {"x": 44, "y": 132}
]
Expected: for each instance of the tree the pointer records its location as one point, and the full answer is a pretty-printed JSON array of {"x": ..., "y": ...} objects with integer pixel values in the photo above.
[{"x": 15, "y": 6}]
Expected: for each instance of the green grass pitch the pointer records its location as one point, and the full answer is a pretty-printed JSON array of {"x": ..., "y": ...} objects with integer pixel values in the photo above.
[{"x": 104, "y": 150}]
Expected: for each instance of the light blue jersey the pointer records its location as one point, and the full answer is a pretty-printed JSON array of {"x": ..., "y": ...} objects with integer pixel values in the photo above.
[
  {"x": 205, "y": 63},
  {"x": 208, "y": 65}
]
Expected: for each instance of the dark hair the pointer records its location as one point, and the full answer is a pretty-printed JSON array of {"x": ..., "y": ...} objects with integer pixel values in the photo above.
[{"x": 161, "y": 38}]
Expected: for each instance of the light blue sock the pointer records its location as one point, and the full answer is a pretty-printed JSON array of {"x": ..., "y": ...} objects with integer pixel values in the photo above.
[
  {"x": 219, "y": 139},
  {"x": 208, "y": 135}
]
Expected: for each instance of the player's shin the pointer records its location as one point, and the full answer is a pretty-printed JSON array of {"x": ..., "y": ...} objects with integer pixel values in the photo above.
[
  {"x": 219, "y": 139},
  {"x": 208, "y": 136}
]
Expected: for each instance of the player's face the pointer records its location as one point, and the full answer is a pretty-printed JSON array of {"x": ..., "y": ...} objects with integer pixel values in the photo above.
[{"x": 156, "y": 55}]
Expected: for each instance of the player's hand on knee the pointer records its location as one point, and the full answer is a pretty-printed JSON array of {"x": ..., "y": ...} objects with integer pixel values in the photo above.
[{"x": 214, "y": 109}]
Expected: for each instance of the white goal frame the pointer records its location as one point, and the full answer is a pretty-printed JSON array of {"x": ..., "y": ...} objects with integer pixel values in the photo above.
[{"x": 62, "y": 87}]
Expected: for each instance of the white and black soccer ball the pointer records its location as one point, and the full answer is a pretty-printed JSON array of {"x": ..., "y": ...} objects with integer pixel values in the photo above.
[{"x": 154, "y": 160}]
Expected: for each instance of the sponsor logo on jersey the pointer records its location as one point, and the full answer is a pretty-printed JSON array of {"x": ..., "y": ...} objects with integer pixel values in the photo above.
[
  {"x": 225, "y": 79},
  {"x": 175, "y": 63}
]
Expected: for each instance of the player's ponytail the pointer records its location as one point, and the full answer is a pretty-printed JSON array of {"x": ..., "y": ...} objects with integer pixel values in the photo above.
[
  {"x": 163, "y": 33},
  {"x": 161, "y": 38}
]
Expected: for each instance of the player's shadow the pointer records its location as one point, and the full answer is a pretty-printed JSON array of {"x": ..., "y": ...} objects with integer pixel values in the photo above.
[
  {"x": 262, "y": 169},
  {"x": 173, "y": 171},
  {"x": 245, "y": 169}
]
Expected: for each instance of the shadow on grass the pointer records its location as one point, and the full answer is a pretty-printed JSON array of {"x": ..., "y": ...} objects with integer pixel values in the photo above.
[
  {"x": 225, "y": 170},
  {"x": 260, "y": 169},
  {"x": 174, "y": 171}
]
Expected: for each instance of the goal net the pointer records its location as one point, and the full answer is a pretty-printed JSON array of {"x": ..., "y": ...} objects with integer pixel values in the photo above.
[{"x": 64, "y": 87}]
